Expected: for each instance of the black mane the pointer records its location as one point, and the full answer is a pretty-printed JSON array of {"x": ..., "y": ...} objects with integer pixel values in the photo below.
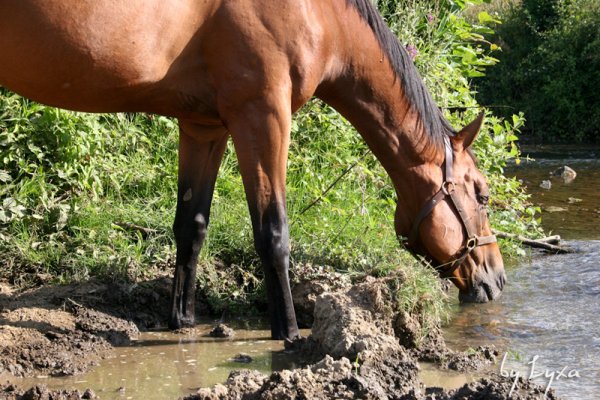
[{"x": 435, "y": 125}]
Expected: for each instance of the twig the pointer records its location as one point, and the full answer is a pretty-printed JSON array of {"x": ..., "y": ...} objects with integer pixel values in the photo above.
[
  {"x": 538, "y": 244},
  {"x": 331, "y": 186},
  {"x": 132, "y": 227}
]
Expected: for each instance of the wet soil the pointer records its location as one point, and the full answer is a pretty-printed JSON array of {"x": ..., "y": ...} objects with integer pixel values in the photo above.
[
  {"x": 358, "y": 331},
  {"x": 41, "y": 392},
  {"x": 65, "y": 330},
  {"x": 362, "y": 345}
]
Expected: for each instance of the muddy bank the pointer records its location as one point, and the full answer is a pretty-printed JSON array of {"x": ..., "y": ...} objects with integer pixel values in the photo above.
[
  {"x": 340, "y": 379},
  {"x": 370, "y": 349},
  {"x": 65, "y": 330},
  {"x": 41, "y": 392},
  {"x": 362, "y": 346}
]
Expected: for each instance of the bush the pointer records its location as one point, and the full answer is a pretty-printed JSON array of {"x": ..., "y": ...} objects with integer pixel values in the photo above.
[{"x": 549, "y": 68}]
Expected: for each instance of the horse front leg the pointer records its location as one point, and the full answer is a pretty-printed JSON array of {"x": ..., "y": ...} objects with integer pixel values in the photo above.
[
  {"x": 200, "y": 153},
  {"x": 260, "y": 131}
]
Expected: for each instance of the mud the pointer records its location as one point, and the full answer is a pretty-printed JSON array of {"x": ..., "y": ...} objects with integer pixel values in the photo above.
[
  {"x": 369, "y": 351},
  {"x": 65, "y": 330},
  {"x": 340, "y": 379},
  {"x": 222, "y": 331},
  {"x": 41, "y": 392},
  {"x": 433, "y": 349},
  {"x": 362, "y": 346},
  {"x": 309, "y": 282}
]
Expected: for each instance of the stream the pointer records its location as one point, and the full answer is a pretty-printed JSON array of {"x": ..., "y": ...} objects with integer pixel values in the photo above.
[{"x": 548, "y": 318}]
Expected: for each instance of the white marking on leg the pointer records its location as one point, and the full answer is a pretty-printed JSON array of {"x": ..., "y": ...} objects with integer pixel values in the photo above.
[{"x": 188, "y": 195}]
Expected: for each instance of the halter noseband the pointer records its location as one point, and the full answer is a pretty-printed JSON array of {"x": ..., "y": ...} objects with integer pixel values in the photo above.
[{"x": 448, "y": 191}]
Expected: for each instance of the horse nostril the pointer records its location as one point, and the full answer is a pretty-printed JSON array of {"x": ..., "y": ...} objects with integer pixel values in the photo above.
[
  {"x": 502, "y": 281},
  {"x": 488, "y": 291}
]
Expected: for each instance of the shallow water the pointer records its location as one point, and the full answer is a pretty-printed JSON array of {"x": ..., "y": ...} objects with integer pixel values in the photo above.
[
  {"x": 551, "y": 305},
  {"x": 549, "y": 309},
  {"x": 579, "y": 199},
  {"x": 166, "y": 365},
  {"x": 432, "y": 376}
]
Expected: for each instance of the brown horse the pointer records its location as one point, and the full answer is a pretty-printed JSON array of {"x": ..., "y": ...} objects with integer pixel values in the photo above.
[{"x": 241, "y": 68}]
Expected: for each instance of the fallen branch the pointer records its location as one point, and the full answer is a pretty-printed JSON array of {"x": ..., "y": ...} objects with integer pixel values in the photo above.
[
  {"x": 555, "y": 239},
  {"x": 545, "y": 243}
]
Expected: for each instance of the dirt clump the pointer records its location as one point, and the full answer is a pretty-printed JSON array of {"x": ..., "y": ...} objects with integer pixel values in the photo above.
[
  {"x": 354, "y": 323},
  {"x": 41, "y": 392},
  {"x": 331, "y": 379},
  {"x": 116, "y": 331},
  {"x": 29, "y": 351},
  {"x": 349, "y": 322},
  {"x": 309, "y": 282},
  {"x": 221, "y": 331},
  {"x": 496, "y": 387},
  {"x": 434, "y": 349}
]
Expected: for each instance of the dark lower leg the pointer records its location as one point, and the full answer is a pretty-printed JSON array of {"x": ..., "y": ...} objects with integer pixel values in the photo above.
[
  {"x": 272, "y": 244},
  {"x": 184, "y": 280},
  {"x": 198, "y": 166}
]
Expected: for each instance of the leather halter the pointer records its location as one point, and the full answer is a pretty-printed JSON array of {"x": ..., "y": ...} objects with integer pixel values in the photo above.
[{"x": 447, "y": 191}]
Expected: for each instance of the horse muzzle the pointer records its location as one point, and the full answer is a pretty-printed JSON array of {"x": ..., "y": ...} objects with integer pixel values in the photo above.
[{"x": 486, "y": 289}]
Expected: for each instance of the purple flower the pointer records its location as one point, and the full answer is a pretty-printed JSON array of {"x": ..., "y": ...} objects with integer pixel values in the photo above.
[
  {"x": 412, "y": 51},
  {"x": 430, "y": 18}
]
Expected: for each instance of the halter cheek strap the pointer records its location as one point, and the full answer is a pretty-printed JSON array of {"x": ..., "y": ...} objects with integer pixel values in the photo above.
[{"x": 447, "y": 191}]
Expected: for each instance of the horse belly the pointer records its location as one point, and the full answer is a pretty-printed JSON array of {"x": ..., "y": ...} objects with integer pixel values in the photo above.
[{"x": 100, "y": 55}]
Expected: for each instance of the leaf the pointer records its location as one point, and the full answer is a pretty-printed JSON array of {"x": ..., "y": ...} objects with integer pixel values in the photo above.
[
  {"x": 5, "y": 176},
  {"x": 484, "y": 17}
]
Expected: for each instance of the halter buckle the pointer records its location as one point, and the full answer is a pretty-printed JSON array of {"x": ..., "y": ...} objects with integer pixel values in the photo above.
[
  {"x": 472, "y": 242},
  {"x": 448, "y": 187}
]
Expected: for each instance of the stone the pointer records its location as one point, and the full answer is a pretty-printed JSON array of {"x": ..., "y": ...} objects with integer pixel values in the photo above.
[
  {"x": 565, "y": 172},
  {"x": 546, "y": 185},
  {"x": 221, "y": 331}
]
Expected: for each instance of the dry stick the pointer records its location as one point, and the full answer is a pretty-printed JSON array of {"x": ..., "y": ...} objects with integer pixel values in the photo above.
[
  {"x": 538, "y": 244},
  {"x": 132, "y": 227}
]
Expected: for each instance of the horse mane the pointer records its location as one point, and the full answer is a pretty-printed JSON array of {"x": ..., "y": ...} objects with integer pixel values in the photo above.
[{"x": 434, "y": 123}]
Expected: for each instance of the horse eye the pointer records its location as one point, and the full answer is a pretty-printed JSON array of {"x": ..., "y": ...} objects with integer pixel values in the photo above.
[{"x": 483, "y": 199}]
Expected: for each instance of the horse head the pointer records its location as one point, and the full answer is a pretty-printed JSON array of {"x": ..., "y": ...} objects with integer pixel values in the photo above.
[{"x": 451, "y": 229}]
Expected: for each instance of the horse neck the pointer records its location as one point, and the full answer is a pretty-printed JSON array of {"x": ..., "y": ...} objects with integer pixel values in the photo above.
[{"x": 363, "y": 87}]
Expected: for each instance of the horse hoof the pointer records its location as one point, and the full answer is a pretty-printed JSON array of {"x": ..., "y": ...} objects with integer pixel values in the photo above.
[{"x": 178, "y": 322}]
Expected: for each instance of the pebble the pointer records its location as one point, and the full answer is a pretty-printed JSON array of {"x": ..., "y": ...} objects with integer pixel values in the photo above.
[
  {"x": 546, "y": 185},
  {"x": 242, "y": 358},
  {"x": 221, "y": 331}
]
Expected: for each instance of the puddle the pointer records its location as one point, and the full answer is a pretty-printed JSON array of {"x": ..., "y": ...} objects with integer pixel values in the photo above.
[
  {"x": 165, "y": 365},
  {"x": 433, "y": 376}
]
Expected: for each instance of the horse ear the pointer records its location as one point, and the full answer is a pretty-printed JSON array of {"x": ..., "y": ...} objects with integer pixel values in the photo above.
[{"x": 468, "y": 134}]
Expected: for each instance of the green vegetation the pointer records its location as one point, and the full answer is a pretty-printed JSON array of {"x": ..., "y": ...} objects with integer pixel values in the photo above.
[
  {"x": 94, "y": 195},
  {"x": 549, "y": 67}
]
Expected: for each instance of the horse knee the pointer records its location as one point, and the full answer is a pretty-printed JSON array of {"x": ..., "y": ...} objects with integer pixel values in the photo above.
[
  {"x": 191, "y": 230},
  {"x": 272, "y": 245}
]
